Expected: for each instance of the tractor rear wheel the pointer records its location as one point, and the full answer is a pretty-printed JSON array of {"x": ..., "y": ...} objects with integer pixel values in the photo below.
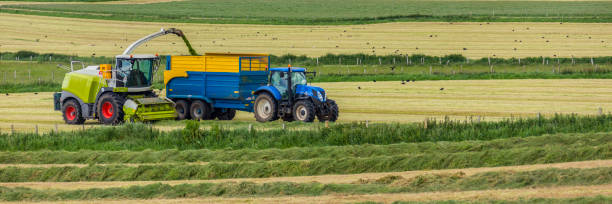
[
  {"x": 304, "y": 111},
  {"x": 265, "y": 108},
  {"x": 229, "y": 114},
  {"x": 110, "y": 109},
  {"x": 182, "y": 110},
  {"x": 72, "y": 112},
  {"x": 200, "y": 110},
  {"x": 332, "y": 114}
]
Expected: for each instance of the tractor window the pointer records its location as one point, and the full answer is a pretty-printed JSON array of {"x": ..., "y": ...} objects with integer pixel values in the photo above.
[
  {"x": 135, "y": 72},
  {"x": 279, "y": 82},
  {"x": 140, "y": 76},
  {"x": 298, "y": 78}
]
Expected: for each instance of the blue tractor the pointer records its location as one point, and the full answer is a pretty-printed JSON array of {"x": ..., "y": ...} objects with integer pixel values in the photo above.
[{"x": 288, "y": 96}]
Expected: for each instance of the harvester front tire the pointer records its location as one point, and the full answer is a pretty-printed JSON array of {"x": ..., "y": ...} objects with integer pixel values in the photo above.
[
  {"x": 110, "y": 109},
  {"x": 332, "y": 115},
  {"x": 72, "y": 112},
  {"x": 182, "y": 110},
  {"x": 303, "y": 111},
  {"x": 265, "y": 108},
  {"x": 227, "y": 115},
  {"x": 200, "y": 110}
]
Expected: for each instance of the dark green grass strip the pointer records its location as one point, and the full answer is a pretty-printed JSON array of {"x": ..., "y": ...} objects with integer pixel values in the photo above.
[
  {"x": 218, "y": 170},
  {"x": 424, "y": 183},
  {"x": 459, "y": 76},
  {"x": 141, "y": 137},
  {"x": 300, "y": 153}
]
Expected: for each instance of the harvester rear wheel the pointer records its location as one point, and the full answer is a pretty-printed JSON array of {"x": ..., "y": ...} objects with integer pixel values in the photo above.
[
  {"x": 182, "y": 110},
  {"x": 304, "y": 111},
  {"x": 227, "y": 115},
  {"x": 200, "y": 110},
  {"x": 265, "y": 108},
  {"x": 72, "y": 112},
  {"x": 332, "y": 115},
  {"x": 110, "y": 109}
]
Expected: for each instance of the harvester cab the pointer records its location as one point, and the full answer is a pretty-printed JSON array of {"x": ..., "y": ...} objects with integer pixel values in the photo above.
[
  {"x": 288, "y": 96},
  {"x": 116, "y": 94}
]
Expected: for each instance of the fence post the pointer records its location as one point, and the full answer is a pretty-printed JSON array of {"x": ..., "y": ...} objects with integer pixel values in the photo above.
[
  {"x": 379, "y": 61},
  {"x": 56, "y": 128},
  {"x": 519, "y": 61},
  {"x": 367, "y": 123},
  {"x": 440, "y": 59},
  {"x": 592, "y": 62},
  {"x": 317, "y": 61},
  {"x": 489, "y": 59},
  {"x": 36, "y": 129},
  {"x": 600, "y": 111},
  {"x": 425, "y": 123},
  {"x": 29, "y": 75},
  {"x": 491, "y": 69},
  {"x": 357, "y": 61},
  {"x": 283, "y": 125},
  {"x": 250, "y": 128},
  {"x": 15, "y": 74},
  {"x": 407, "y": 60},
  {"x": 394, "y": 60},
  {"x": 572, "y": 59},
  {"x": 430, "y": 69},
  {"x": 12, "y": 129}
]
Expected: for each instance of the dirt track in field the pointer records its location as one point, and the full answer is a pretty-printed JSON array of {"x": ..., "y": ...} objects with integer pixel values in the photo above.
[
  {"x": 511, "y": 194},
  {"x": 347, "y": 178}
]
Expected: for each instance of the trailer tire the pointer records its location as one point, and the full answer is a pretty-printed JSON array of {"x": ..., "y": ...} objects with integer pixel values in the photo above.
[
  {"x": 110, "y": 109},
  {"x": 200, "y": 110},
  {"x": 182, "y": 110},
  {"x": 72, "y": 112},
  {"x": 303, "y": 111},
  {"x": 265, "y": 108},
  {"x": 332, "y": 115},
  {"x": 227, "y": 115}
]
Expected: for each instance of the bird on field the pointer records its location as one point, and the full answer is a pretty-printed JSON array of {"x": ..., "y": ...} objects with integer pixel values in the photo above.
[
  {"x": 7, "y": 94},
  {"x": 359, "y": 87},
  {"x": 403, "y": 82},
  {"x": 374, "y": 80},
  {"x": 441, "y": 89},
  {"x": 35, "y": 93},
  {"x": 392, "y": 68}
]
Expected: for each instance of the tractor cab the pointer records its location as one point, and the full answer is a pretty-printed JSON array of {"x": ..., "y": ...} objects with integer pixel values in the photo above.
[{"x": 133, "y": 71}]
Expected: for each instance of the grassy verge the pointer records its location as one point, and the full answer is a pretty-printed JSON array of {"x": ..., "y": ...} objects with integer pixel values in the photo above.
[
  {"x": 319, "y": 12},
  {"x": 219, "y": 170},
  {"x": 392, "y": 184},
  {"x": 244, "y": 155},
  {"x": 140, "y": 137}
]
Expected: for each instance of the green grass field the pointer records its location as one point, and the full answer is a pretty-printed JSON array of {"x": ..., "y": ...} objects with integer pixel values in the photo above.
[{"x": 331, "y": 12}]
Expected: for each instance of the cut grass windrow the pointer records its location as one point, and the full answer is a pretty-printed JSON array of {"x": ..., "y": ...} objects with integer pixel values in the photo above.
[
  {"x": 392, "y": 184},
  {"x": 217, "y": 170},
  {"x": 299, "y": 153},
  {"x": 141, "y": 137}
]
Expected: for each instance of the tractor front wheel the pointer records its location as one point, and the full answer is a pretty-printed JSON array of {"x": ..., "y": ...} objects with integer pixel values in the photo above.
[
  {"x": 332, "y": 112},
  {"x": 182, "y": 110},
  {"x": 72, "y": 112},
  {"x": 200, "y": 110},
  {"x": 110, "y": 109},
  {"x": 304, "y": 111}
]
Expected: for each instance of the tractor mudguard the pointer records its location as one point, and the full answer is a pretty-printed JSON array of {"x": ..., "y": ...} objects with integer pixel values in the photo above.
[{"x": 270, "y": 89}]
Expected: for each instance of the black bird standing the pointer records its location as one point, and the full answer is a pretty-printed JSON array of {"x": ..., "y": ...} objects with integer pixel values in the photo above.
[
  {"x": 441, "y": 89},
  {"x": 359, "y": 87},
  {"x": 392, "y": 68},
  {"x": 374, "y": 80},
  {"x": 403, "y": 82}
]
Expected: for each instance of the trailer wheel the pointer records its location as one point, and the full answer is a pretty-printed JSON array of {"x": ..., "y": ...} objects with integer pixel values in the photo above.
[
  {"x": 332, "y": 115},
  {"x": 110, "y": 109},
  {"x": 200, "y": 110},
  {"x": 182, "y": 110},
  {"x": 265, "y": 108},
  {"x": 304, "y": 111},
  {"x": 227, "y": 115},
  {"x": 72, "y": 112}
]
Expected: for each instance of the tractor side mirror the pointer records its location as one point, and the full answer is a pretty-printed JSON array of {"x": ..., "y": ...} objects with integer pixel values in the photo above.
[{"x": 282, "y": 74}]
